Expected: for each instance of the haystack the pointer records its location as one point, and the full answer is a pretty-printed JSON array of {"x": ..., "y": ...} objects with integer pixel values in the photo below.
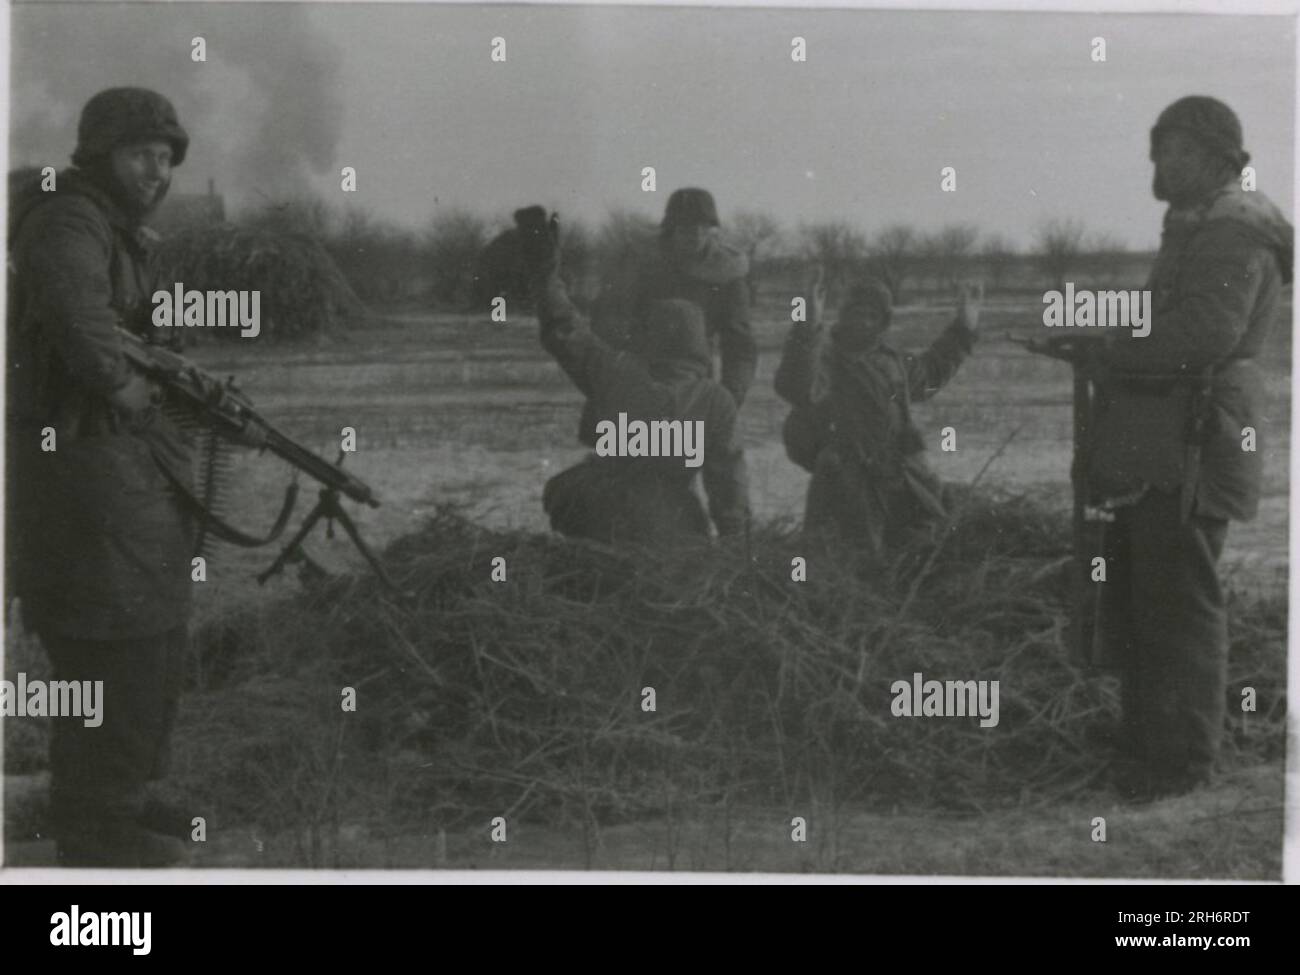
[
  {"x": 477, "y": 698},
  {"x": 303, "y": 293}
]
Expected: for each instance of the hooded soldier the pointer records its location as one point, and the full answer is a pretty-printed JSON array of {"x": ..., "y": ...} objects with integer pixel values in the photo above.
[
  {"x": 851, "y": 426},
  {"x": 691, "y": 263},
  {"x": 643, "y": 499},
  {"x": 1174, "y": 456},
  {"x": 99, "y": 546}
]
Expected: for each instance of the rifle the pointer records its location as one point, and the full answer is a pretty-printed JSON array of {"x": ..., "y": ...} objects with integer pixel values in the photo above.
[
  {"x": 1088, "y": 521},
  {"x": 229, "y": 412}
]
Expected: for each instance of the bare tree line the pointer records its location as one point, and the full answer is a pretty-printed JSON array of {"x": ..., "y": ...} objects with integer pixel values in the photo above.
[
  {"x": 385, "y": 262},
  {"x": 903, "y": 257}
]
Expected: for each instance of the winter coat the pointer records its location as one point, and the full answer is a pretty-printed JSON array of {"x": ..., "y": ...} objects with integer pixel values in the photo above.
[
  {"x": 715, "y": 281},
  {"x": 1216, "y": 290},
  {"x": 644, "y": 499},
  {"x": 98, "y": 544},
  {"x": 859, "y": 442}
]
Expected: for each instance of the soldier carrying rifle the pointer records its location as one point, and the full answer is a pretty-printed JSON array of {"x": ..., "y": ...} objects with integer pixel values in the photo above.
[{"x": 1169, "y": 446}]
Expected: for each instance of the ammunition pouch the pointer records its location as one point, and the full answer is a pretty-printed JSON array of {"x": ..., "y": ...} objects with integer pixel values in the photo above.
[
  {"x": 1147, "y": 431},
  {"x": 804, "y": 433}
]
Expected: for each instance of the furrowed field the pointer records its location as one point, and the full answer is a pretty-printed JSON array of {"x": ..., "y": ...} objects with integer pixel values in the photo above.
[{"x": 457, "y": 410}]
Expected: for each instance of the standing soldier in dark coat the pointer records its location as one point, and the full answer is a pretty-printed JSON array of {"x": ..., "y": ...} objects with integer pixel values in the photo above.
[
  {"x": 1175, "y": 452},
  {"x": 851, "y": 425},
  {"x": 98, "y": 544},
  {"x": 692, "y": 264},
  {"x": 646, "y": 500}
]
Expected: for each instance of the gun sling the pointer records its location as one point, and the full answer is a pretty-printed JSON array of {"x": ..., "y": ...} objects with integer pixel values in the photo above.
[{"x": 223, "y": 529}]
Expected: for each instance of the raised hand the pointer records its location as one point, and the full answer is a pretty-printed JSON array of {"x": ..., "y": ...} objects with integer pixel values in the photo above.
[
  {"x": 136, "y": 398},
  {"x": 538, "y": 240},
  {"x": 816, "y": 294}
]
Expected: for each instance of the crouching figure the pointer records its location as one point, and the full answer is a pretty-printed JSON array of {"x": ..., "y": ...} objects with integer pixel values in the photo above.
[
  {"x": 851, "y": 425},
  {"x": 642, "y": 492}
]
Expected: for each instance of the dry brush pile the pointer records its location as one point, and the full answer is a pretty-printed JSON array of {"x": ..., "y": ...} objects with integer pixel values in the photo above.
[{"x": 478, "y": 698}]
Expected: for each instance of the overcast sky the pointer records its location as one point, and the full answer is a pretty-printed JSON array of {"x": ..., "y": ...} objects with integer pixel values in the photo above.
[{"x": 590, "y": 95}]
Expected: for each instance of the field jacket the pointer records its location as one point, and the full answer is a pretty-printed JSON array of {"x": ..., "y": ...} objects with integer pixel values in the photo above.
[
  {"x": 98, "y": 545},
  {"x": 715, "y": 281},
  {"x": 616, "y": 382},
  {"x": 1174, "y": 406},
  {"x": 865, "y": 416}
]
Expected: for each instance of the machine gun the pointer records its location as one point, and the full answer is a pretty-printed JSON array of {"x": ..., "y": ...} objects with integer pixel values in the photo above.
[
  {"x": 1088, "y": 522},
  {"x": 230, "y": 413}
]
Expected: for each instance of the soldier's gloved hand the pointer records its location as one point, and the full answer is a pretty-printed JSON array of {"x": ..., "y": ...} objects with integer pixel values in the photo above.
[
  {"x": 969, "y": 302},
  {"x": 539, "y": 244},
  {"x": 136, "y": 399}
]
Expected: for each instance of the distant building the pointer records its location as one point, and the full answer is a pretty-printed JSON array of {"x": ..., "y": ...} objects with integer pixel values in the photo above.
[{"x": 181, "y": 212}]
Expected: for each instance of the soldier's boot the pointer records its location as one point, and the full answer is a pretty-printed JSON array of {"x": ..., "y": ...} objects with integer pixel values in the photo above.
[
  {"x": 1138, "y": 783},
  {"x": 168, "y": 817},
  {"x": 116, "y": 842},
  {"x": 1129, "y": 779},
  {"x": 130, "y": 847}
]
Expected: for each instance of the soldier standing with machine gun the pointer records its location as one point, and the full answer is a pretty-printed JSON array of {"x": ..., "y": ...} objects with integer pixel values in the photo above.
[
  {"x": 1166, "y": 443},
  {"x": 98, "y": 544},
  {"x": 101, "y": 518}
]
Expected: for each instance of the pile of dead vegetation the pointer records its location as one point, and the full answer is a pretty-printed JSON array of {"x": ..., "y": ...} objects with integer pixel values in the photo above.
[{"x": 478, "y": 697}]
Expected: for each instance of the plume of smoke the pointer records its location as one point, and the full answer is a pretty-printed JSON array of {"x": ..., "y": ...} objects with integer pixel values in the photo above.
[{"x": 263, "y": 112}]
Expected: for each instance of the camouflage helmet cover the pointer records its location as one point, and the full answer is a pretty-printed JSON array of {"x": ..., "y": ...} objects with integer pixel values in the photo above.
[{"x": 121, "y": 116}]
